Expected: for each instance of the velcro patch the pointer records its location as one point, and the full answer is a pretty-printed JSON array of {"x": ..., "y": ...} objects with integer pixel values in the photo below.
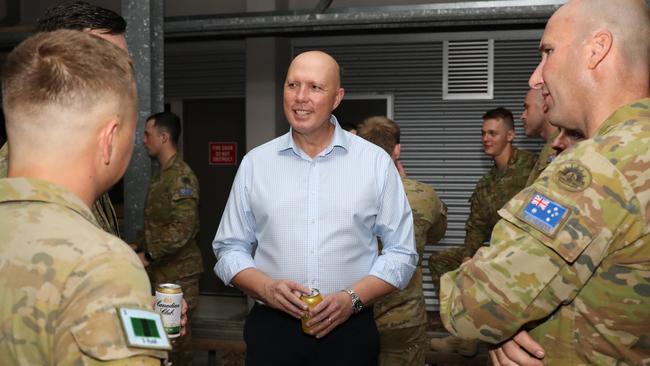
[
  {"x": 544, "y": 214},
  {"x": 185, "y": 192},
  {"x": 143, "y": 329}
]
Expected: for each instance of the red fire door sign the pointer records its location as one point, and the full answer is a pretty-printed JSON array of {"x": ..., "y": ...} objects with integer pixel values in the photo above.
[{"x": 223, "y": 153}]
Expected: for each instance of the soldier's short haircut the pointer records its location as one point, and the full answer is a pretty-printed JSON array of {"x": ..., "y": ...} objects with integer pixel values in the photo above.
[
  {"x": 501, "y": 114},
  {"x": 80, "y": 15},
  {"x": 167, "y": 122},
  {"x": 64, "y": 69},
  {"x": 381, "y": 131}
]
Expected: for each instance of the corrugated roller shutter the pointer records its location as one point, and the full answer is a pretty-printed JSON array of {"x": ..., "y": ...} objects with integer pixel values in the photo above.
[
  {"x": 441, "y": 139},
  {"x": 205, "y": 69}
]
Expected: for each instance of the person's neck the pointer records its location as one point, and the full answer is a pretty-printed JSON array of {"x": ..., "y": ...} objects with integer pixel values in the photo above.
[
  {"x": 312, "y": 144},
  {"x": 607, "y": 98},
  {"x": 501, "y": 160},
  {"x": 548, "y": 131},
  {"x": 73, "y": 175},
  {"x": 165, "y": 157}
]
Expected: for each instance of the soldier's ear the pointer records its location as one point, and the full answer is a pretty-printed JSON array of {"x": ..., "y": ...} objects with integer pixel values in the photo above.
[
  {"x": 397, "y": 151},
  {"x": 107, "y": 137},
  {"x": 510, "y": 135},
  {"x": 598, "y": 48}
]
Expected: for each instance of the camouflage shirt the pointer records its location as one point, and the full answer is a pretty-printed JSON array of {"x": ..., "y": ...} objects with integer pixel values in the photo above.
[
  {"x": 171, "y": 223},
  {"x": 102, "y": 208},
  {"x": 61, "y": 280},
  {"x": 406, "y": 308},
  {"x": 492, "y": 192},
  {"x": 4, "y": 157},
  {"x": 580, "y": 282},
  {"x": 545, "y": 157}
]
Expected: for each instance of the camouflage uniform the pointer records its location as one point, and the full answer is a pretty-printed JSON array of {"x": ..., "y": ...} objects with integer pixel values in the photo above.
[
  {"x": 171, "y": 223},
  {"x": 545, "y": 157},
  {"x": 401, "y": 316},
  {"x": 4, "y": 157},
  {"x": 492, "y": 191},
  {"x": 102, "y": 208},
  {"x": 585, "y": 277},
  {"x": 61, "y": 280}
]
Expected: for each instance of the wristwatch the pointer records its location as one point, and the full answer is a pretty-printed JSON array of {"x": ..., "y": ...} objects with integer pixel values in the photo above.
[{"x": 357, "y": 305}]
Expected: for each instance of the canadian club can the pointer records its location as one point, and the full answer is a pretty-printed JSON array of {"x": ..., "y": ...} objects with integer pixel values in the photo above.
[
  {"x": 169, "y": 301},
  {"x": 313, "y": 299}
]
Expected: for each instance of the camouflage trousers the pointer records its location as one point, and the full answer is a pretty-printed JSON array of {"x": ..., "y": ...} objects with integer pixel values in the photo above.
[
  {"x": 402, "y": 346},
  {"x": 182, "y": 352}
]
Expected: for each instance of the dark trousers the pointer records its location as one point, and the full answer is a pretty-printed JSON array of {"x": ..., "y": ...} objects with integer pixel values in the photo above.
[{"x": 275, "y": 338}]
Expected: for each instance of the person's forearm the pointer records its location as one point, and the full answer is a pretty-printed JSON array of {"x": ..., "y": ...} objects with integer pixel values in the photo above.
[
  {"x": 371, "y": 288},
  {"x": 252, "y": 282}
]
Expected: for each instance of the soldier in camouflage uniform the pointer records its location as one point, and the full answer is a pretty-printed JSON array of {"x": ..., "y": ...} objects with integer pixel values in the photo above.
[
  {"x": 401, "y": 316},
  {"x": 103, "y": 23},
  {"x": 167, "y": 245},
  {"x": 62, "y": 278},
  {"x": 536, "y": 125},
  {"x": 570, "y": 260},
  {"x": 507, "y": 177}
]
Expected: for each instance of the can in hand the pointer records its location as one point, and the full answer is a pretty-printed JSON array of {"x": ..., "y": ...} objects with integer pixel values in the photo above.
[
  {"x": 313, "y": 299},
  {"x": 169, "y": 302}
]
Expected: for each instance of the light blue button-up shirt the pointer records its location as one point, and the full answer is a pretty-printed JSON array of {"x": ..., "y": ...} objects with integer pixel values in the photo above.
[{"x": 316, "y": 221}]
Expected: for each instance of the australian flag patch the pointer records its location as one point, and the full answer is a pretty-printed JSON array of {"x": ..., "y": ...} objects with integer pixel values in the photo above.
[{"x": 544, "y": 214}]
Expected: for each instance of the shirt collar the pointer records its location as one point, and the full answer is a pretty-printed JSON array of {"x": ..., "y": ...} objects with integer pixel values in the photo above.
[
  {"x": 340, "y": 138},
  {"x": 36, "y": 190}
]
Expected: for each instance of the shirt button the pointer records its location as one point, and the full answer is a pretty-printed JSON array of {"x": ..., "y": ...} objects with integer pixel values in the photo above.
[{"x": 312, "y": 221}]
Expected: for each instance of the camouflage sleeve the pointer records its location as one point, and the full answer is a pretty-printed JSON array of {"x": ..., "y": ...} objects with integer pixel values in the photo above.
[
  {"x": 439, "y": 227},
  {"x": 88, "y": 328},
  {"x": 165, "y": 240},
  {"x": 477, "y": 229},
  {"x": 4, "y": 157},
  {"x": 552, "y": 237}
]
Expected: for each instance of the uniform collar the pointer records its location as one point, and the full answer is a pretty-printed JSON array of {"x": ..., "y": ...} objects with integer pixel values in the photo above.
[
  {"x": 627, "y": 112},
  {"x": 36, "y": 190}
]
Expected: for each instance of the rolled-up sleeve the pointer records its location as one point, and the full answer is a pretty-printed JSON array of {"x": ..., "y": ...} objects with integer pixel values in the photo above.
[
  {"x": 394, "y": 225},
  {"x": 235, "y": 241}
]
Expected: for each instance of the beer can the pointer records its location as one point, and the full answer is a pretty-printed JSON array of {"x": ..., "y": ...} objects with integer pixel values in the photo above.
[
  {"x": 313, "y": 299},
  {"x": 169, "y": 302}
]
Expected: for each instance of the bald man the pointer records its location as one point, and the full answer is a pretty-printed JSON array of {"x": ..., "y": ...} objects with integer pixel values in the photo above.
[
  {"x": 570, "y": 259},
  {"x": 537, "y": 125},
  {"x": 310, "y": 205}
]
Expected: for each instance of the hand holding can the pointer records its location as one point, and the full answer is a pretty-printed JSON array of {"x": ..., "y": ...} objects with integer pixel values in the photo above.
[
  {"x": 169, "y": 299},
  {"x": 312, "y": 299}
]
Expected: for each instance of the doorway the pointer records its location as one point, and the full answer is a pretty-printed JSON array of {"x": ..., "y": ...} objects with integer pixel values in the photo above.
[{"x": 214, "y": 138}]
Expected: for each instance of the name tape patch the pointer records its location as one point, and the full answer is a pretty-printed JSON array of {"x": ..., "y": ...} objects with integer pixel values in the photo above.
[
  {"x": 544, "y": 214},
  {"x": 143, "y": 329}
]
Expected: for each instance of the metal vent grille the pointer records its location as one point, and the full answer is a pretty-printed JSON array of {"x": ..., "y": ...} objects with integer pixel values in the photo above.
[{"x": 468, "y": 69}]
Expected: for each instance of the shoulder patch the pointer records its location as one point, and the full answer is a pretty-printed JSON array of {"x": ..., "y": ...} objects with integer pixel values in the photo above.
[
  {"x": 573, "y": 176},
  {"x": 185, "y": 192},
  {"x": 544, "y": 214},
  {"x": 143, "y": 329}
]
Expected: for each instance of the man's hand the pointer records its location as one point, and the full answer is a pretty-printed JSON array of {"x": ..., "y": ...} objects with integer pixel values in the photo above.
[
  {"x": 335, "y": 309},
  {"x": 184, "y": 320},
  {"x": 284, "y": 295},
  {"x": 519, "y": 350}
]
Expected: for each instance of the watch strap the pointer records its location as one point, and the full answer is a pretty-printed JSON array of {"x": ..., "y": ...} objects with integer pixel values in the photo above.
[{"x": 357, "y": 304}]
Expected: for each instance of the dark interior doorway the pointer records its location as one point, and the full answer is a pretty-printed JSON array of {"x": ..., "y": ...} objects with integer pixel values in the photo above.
[{"x": 209, "y": 125}]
